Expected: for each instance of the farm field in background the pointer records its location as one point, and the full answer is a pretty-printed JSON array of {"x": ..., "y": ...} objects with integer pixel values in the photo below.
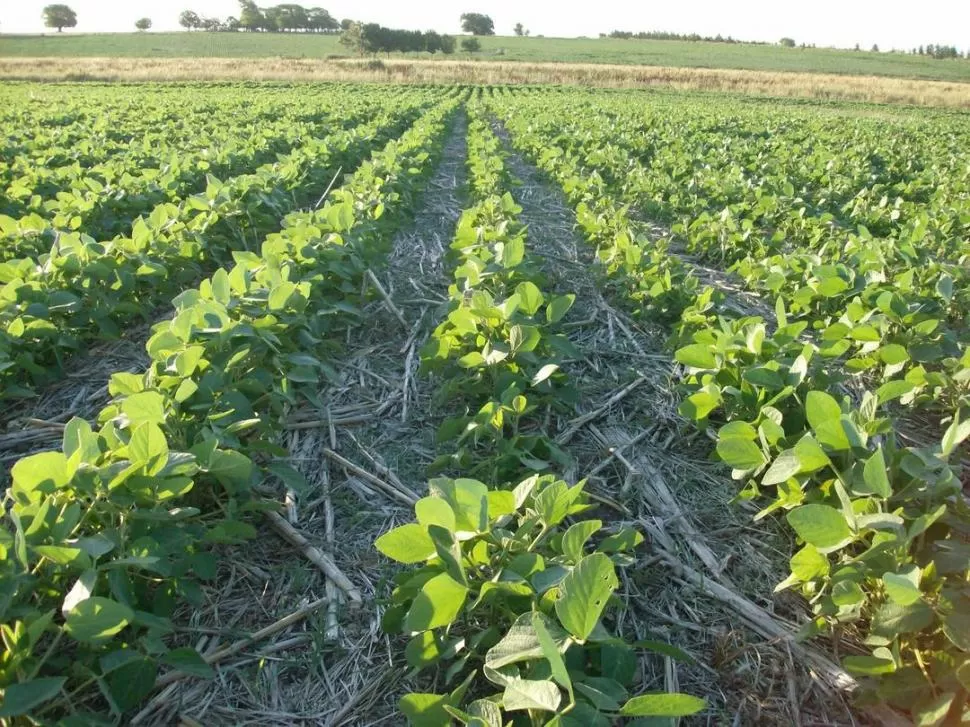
[
  {"x": 679, "y": 54},
  {"x": 333, "y": 403}
]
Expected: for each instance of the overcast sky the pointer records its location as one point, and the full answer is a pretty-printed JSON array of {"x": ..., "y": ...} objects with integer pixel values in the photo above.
[{"x": 843, "y": 23}]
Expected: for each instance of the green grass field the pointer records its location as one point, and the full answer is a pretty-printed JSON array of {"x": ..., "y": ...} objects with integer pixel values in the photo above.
[{"x": 569, "y": 50}]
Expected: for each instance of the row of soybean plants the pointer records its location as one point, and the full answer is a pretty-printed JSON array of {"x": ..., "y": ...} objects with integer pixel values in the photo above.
[
  {"x": 132, "y": 145},
  {"x": 884, "y": 286},
  {"x": 105, "y": 537},
  {"x": 882, "y": 526},
  {"x": 84, "y": 289},
  {"x": 166, "y": 165},
  {"x": 511, "y": 592}
]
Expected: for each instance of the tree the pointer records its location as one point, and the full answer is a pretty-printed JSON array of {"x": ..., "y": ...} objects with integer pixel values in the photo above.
[
  {"x": 519, "y": 30},
  {"x": 477, "y": 24},
  {"x": 470, "y": 45},
  {"x": 353, "y": 38},
  {"x": 190, "y": 20},
  {"x": 143, "y": 24},
  {"x": 447, "y": 44},
  {"x": 289, "y": 17},
  {"x": 321, "y": 21},
  {"x": 251, "y": 18},
  {"x": 875, "y": 48},
  {"x": 60, "y": 17},
  {"x": 787, "y": 42}
]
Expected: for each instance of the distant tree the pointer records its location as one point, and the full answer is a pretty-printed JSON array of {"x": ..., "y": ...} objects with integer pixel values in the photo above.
[
  {"x": 212, "y": 25},
  {"x": 346, "y": 23},
  {"x": 519, "y": 29},
  {"x": 875, "y": 48},
  {"x": 143, "y": 24},
  {"x": 231, "y": 24},
  {"x": 920, "y": 50},
  {"x": 857, "y": 47},
  {"x": 289, "y": 16},
  {"x": 353, "y": 38},
  {"x": 787, "y": 42},
  {"x": 477, "y": 24},
  {"x": 447, "y": 44},
  {"x": 190, "y": 20},
  {"x": 60, "y": 17},
  {"x": 321, "y": 21},
  {"x": 251, "y": 18},
  {"x": 470, "y": 45}
]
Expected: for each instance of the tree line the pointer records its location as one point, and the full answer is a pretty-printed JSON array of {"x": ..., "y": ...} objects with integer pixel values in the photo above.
[
  {"x": 364, "y": 38},
  {"x": 664, "y": 35},
  {"x": 284, "y": 18}
]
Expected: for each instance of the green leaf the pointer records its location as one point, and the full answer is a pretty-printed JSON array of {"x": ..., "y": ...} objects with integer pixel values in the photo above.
[
  {"x": 41, "y": 473},
  {"x": 584, "y": 593},
  {"x": 821, "y": 526},
  {"x": 903, "y": 588},
  {"x": 422, "y": 650},
  {"x": 893, "y": 390},
  {"x": 931, "y": 712},
  {"x": 530, "y": 296},
  {"x": 468, "y": 499},
  {"x": 663, "y": 704},
  {"x": 741, "y": 454},
  {"x": 955, "y": 434},
  {"x": 698, "y": 405},
  {"x": 234, "y": 470},
  {"x": 529, "y": 694},
  {"x": 96, "y": 619},
  {"x": 821, "y": 408},
  {"x": 559, "y": 306},
  {"x": 956, "y": 626},
  {"x": 808, "y": 564},
  {"x": 786, "y": 465},
  {"x": 149, "y": 447},
  {"x": 891, "y": 619},
  {"x": 875, "y": 476},
  {"x": 868, "y": 665},
  {"x": 893, "y": 353},
  {"x": 433, "y": 511},
  {"x": 551, "y": 651},
  {"x": 19, "y": 699},
  {"x": 697, "y": 356},
  {"x": 811, "y": 456},
  {"x": 625, "y": 538},
  {"x": 409, "y": 543},
  {"x": 576, "y": 536},
  {"x": 438, "y": 604},
  {"x": 190, "y": 661},
  {"x": 79, "y": 439},
  {"x": 148, "y": 406},
  {"x": 65, "y": 555},
  {"x": 131, "y": 683},
  {"x": 425, "y": 710}
]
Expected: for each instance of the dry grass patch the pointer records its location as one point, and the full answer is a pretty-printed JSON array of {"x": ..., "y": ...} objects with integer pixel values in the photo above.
[{"x": 871, "y": 89}]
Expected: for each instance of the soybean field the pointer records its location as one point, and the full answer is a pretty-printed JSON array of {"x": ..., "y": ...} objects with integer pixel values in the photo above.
[{"x": 356, "y": 404}]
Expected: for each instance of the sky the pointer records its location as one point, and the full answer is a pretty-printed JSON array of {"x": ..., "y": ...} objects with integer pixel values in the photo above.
[{"x": 900, "y": 24}]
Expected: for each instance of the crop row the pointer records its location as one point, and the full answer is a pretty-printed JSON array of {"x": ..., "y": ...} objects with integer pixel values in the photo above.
[
  {"x": 84, "y": 289},
  {"x": 892, "y": 310},
  {"x": 511, "y": 585},
  {"x": 103, "y": 200},
  {"x": 109, "y": 534},
  {"x": 883, "y": 526}
]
